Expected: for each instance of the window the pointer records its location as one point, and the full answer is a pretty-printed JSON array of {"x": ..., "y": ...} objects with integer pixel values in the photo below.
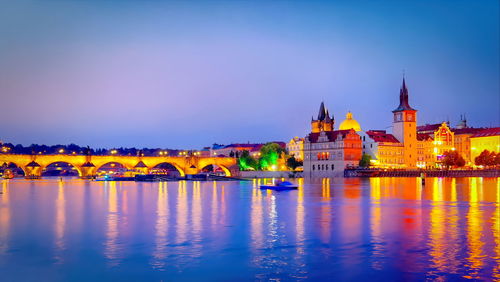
[
  {"x": 333, "y": 166},
  {"x": 313, "y": 167}
]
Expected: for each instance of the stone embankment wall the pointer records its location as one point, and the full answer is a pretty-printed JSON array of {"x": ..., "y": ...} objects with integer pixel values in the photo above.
[
  {"x": 428, "y": 173},
  {"x": 265, "y": 174}
]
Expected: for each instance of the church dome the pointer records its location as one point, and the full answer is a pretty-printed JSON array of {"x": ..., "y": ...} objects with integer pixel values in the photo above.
[{"x": 349, "y": 123}]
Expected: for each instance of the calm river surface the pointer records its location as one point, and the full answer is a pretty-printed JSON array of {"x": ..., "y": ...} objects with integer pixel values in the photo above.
[{"x": 348, "y": 229}]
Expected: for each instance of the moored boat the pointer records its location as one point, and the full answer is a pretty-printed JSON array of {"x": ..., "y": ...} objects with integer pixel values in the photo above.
[{"x": 285, "y": 185}]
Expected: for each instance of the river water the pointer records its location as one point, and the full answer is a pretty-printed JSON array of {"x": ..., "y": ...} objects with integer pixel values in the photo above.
[{"x": 381, "y": 229}]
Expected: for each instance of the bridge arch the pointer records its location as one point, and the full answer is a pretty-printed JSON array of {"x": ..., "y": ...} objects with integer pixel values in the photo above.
[
  {"x": 9, "y": 164},
  {"x": 113, "y": 164},
  {"x": 77, "y": 168},
  {"x": 226, "y": 170},
  {"x": 176, "y": 166}
]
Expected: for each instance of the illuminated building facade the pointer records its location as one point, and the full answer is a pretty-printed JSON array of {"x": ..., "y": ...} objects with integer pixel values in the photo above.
[
  {"x": 425, "y": 151},
  {"x": 384, "y": 149},
  {"x": 487, "y": 139},
  {"x": 296, "y": 148},
  {"x": 443, "y": 141},
  {"x": 327, "y": 152}
]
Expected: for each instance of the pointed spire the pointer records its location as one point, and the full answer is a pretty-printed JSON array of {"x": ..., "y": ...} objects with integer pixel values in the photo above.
[
  {"x": 404, "y": 105},
  {"x": 328, "y": 119},
  {"x": 322, "y": 112}
]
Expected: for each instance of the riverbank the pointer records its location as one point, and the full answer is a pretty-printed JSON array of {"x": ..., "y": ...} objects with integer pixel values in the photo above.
[{"x": 418, "y": 173}]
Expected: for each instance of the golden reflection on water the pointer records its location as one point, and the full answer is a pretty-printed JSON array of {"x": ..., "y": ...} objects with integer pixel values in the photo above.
[
  {"x": 474, "y": 231},
  {"x": 496, "y": 232},
  {"x": 375, "y": 224},
  {"x": 326, "y": 212},
  {"x": 4, "y": 216},
  {"x": 437, "y": 231},
  {"x": 196, "y": 214},
  {"x": 161, "y": 227},
  {"x": 214, "y": 208},
  {"x": 60, "y": 221},
  {"x": 112, "y": 248},
  {"x": 182, "y": 213},
  {"x": 256, "y": 219}
]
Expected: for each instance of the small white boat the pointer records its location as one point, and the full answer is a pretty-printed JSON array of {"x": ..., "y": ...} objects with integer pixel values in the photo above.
[{"x": 285, "y": 185}]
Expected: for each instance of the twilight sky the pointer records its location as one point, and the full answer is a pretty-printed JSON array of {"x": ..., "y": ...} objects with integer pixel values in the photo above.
[{"x": 186, "y": 74}]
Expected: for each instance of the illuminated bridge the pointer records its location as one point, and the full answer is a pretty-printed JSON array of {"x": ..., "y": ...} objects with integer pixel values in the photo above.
[{"x": 87, "y": 166}]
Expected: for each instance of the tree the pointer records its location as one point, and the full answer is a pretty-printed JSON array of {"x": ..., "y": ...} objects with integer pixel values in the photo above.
[
  {"x": 247, "y": 162},
  {"x": 486, "y": 158},
  {"x": 453, "y": 159},
  {"x": 365, "y": 160},
  {"x": 292, "y": 163},
  {"x": 269, "y": 155}
]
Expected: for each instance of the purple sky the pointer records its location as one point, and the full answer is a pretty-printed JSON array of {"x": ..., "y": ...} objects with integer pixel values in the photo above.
[{"x": 186, "y": 75}]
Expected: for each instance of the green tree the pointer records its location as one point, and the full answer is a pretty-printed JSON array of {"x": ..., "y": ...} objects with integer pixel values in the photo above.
[
  {"x": 365, "y": 160},
  {"x": 269, "y": 155},
  {"x": 247, "y": 162},
  {"x": 453, "y": 159},
  {"x": 293, "y": 163}
]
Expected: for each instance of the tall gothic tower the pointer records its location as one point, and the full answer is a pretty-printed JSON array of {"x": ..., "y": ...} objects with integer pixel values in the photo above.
[
  {"x": 323, "y": 122},
  {"x": 405, "y": 127}
]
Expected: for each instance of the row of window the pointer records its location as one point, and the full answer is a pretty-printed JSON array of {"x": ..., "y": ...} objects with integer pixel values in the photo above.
[{"x": 323, "y": 167}]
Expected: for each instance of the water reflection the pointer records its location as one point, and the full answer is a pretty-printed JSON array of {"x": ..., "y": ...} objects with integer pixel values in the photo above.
[
  {"x": 60, "y": 222},
  {"x": 475, "y": 243},
  {"x": 381, "y": 228},
  {"x": 161, "y": 227},
  {"x": 376, "y": 241},
  {"x": 4, "y": 217},
  {"x": 112, "y": 247}
]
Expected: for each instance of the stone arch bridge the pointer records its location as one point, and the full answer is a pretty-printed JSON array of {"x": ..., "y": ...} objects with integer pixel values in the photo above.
[{"x": 87, "y": 166}]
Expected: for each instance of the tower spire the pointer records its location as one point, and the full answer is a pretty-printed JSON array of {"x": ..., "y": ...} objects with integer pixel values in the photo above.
[
  {"x": 322, "y": 111},
  {"x": 404, "y": 105}
]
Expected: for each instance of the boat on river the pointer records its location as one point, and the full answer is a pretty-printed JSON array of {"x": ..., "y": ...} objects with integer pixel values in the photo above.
[{"x": 285, "y": 185}]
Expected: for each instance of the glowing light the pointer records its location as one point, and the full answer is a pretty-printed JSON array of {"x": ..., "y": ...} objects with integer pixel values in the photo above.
[{"x": 61, "y": 151}]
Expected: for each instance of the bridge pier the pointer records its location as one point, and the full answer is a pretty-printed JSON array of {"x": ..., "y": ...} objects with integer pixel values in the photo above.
[
  {"x": 33, "y": 171},
  {"x": 88, "y": 170}
]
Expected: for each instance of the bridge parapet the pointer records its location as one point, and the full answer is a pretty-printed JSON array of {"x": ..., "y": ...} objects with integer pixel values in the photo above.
[{"x": 87, "y": 166}]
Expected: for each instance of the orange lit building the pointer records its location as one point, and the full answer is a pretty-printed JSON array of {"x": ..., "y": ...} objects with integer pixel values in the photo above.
[
  {"x": 296, "y": 148},
  {"x": 487, "y": 139},
  {"x": 327, "y": 152}
]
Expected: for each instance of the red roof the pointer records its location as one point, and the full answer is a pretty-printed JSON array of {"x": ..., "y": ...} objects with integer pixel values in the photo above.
[
  {"x": 488, "y": 132},
  {"x": 428, "y": 127},
  {"x": 332, "y": 135},
  {"x": 468, "y": 130},
  {"x": 381, "y": 136},
  {"x": 423, "y": 136}
]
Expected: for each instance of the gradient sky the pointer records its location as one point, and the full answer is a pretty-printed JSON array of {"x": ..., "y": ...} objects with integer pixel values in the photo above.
[{"x": 187, "y": 74}]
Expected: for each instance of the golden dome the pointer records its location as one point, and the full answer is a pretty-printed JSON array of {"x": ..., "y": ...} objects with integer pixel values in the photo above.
[{"x": 349, "y": 123}]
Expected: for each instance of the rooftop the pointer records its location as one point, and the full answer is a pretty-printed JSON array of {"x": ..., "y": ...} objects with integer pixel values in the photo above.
[{"x": 495, "y": 131}]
